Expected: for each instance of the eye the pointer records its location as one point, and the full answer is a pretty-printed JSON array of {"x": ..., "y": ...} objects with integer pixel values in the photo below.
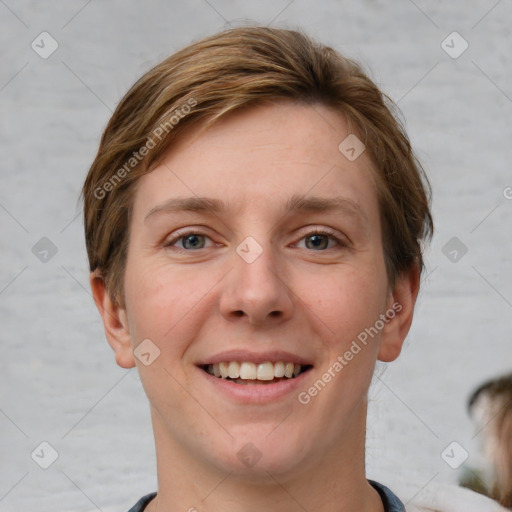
[
  {"x": 189, "y": 241},
  {"x": 321, "y": 240}
]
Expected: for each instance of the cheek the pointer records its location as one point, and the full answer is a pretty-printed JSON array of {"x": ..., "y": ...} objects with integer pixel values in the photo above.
[
  {"x": 160, "y": 303},
  {"x": 164, "y": 307},
  {"x": 344, "y": 302}
]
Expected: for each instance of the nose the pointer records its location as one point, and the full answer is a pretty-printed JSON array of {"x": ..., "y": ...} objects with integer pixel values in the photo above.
[{"x": 256, "y": 291}]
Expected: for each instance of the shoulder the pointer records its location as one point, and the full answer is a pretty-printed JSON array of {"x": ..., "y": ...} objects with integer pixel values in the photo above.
[
  {"x": 446, "y": 498},
  {"x": 140, "y": 506},
  {"x": 142, "y": 503}
]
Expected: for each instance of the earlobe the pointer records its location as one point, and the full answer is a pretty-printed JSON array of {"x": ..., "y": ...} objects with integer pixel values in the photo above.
[
  {"x": 115, "y": 322},
  {"x": 400, "y": 313}
]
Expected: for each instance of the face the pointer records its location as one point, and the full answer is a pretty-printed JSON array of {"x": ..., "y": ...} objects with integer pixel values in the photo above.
[{"x": 255, "y": 252}]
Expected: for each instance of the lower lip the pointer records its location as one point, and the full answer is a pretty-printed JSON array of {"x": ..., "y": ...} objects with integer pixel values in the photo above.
[{"x": 255, "y": 393}]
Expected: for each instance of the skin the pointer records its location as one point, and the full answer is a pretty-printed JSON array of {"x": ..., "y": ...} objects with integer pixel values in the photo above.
[{"x": 310, "y": 299}]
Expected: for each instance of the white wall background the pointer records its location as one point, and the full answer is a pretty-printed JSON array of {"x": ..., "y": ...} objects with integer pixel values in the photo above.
[{"x": 59, "y": 381}]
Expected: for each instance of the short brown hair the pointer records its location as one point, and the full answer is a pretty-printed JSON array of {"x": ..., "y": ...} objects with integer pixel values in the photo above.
[{"x": 223, "y": 73}]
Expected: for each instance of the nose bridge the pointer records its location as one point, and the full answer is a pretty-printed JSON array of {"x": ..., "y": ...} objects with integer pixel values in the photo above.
[{"x": 256, "y": 291}]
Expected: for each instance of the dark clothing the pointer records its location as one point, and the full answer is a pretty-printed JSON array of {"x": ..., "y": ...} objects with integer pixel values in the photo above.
[
  {"x": 142, "y": 503},
  {"x": 390, "y": 501}
]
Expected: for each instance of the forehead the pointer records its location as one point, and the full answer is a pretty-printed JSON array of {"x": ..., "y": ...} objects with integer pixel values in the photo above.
[{"x": 263, "y": 156}]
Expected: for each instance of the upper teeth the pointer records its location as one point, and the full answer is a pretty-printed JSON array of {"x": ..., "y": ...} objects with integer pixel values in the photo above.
[{"x": 252, "y": 371}]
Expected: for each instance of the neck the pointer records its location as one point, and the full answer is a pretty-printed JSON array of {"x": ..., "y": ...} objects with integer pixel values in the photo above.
[{"x": 186, "y": 483}]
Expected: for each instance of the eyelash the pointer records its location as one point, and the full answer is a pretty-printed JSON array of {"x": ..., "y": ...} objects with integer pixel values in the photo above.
[{"x": 319, "y": 231}]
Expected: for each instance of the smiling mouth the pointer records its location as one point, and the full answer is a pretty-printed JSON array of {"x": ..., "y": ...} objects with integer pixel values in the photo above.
[{"x": 252, "y": 373}]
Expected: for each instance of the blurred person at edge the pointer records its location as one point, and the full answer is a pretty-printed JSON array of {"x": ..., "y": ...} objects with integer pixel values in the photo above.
[{"x": 490, "y": 407}]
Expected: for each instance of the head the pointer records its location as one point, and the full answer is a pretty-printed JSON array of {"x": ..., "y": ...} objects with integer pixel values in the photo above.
[
  {"x": 490, "y": 407},
  {"x": 239, "y": 138}
]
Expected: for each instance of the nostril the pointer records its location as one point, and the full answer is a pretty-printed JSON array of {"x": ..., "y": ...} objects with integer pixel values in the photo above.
[{"x": 240, "y": 313}]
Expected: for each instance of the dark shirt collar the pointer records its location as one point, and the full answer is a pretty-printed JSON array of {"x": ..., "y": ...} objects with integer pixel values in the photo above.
[{"x": 389, "y": 499}]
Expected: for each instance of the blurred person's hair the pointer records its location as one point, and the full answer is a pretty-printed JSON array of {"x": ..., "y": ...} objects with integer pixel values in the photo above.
[
  {"x": 224, "y": 73},
  {"x": 490, "y": 406}
]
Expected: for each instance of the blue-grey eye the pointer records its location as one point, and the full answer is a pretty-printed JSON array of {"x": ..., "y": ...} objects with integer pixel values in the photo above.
[
  {"x": 317, "y": 241},
  {"x": 193, "y": 241}
]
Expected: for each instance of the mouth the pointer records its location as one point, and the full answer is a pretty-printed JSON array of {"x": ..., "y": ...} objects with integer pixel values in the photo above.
[{"x": 249, "y": 373}]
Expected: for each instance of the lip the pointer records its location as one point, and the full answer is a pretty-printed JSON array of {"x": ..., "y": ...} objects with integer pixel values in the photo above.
[
  {"x": 255, "y": 393},
  {"x": 242, "y": 356}
]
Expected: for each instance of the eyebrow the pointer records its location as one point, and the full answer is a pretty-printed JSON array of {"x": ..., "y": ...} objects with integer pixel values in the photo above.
[
  {"x": 296, "y": 204},
  {"x": 191, "y": 204},
  {"x": 301, "y": 203}
]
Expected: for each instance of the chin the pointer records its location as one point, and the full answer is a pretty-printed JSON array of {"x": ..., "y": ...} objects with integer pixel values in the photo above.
[{"x": 261, "y": 452}]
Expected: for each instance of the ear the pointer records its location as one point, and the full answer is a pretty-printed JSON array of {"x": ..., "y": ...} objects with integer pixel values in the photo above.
[
  {"x": 115, "y": 322},
  {"x": 400, "y": 309}
]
